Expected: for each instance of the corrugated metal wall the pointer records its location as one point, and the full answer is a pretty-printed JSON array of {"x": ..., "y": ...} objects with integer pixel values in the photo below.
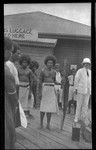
[{"x": 74, "y": 50}]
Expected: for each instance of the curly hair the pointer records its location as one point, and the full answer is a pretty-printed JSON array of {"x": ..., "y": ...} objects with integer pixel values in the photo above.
[
  {"x": 15, "y": 57},
  {"x": 33, "y": 64},
  {"x": 50, "y": 57},
  {"x": 24, "y": 57},
  {"x": 7, "y": 44}
]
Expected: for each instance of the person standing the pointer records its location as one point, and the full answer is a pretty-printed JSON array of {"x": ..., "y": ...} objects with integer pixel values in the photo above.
[
  {"x": 58, "y": 85},
  {"x": 11, "y": 64},
  {"x": 34, "y": 65},
  {"x": 71, "y": 96},
  {"x": 11, "y": 98},
  {"x": 82, "y": 87},
  {"x": 26, "y": 80},
  {"x": 47, "y": 81}
]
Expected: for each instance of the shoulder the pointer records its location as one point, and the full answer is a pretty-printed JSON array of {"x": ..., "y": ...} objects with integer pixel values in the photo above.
[
  {"x": 8, "y": 74},
  {"x": 80, "y": 70}
]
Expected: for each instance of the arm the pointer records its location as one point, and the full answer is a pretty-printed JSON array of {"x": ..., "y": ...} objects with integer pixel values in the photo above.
[
  {"x": 77, "y": 79},
  {"x": 31, "y": 79},
  {"x": 10, "y": 88}
]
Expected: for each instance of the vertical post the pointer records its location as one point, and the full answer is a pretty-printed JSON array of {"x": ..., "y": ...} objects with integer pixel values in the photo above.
[{"x": 65, "y": 72}]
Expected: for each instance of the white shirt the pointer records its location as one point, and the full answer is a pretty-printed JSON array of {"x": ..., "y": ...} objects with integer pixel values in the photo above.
[
  {"x": 82, "y": 81},
  {"x": 70, "y": 78},
  {"x": 13, "y": 70},
  {"x": 58, "y": 77}
]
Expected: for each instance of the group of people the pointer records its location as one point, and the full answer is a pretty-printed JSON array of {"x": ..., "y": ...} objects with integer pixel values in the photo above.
[{"x": 22, "y": 85}]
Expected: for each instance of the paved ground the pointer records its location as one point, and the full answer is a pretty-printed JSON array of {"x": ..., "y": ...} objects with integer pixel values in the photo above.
[{"x": 34, "y": 138}]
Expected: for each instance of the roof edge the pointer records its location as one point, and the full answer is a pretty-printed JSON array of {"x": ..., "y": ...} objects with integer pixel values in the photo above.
[{"x": 62, "y": 36}]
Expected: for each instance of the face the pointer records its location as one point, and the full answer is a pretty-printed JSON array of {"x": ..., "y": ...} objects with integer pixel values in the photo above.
[
  {"x": 57, "y": 67},
  {"x": 49, "y": 64},
  {"x": 7, "y": 55},
  {"x": 24, "y": 64},
  {"x": 73, "y": 71},
  {"x": 87, "y": 65}
]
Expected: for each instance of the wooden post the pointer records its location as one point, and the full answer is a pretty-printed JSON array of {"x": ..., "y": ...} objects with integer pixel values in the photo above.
[{"x": 65, "y": 72}]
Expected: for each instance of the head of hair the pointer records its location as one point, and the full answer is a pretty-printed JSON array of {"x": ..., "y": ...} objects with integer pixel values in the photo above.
[
  {"x": 50, "y": 57},
  {"x": 15, "y": 57},
  {"x": 33, "y": 64},
  {"x": 7, "y": 44},
  {"x": 15, "y": 47},
  {"x": 24, "y": 57}
]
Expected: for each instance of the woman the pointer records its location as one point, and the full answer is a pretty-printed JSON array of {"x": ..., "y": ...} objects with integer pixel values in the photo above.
[
  {"x": 25, "y": 78},
  {"x": 48, "y": 98},
  {"x": 34, "y": 66}
]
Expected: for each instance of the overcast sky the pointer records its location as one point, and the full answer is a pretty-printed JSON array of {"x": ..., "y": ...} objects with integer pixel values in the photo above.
[{"x": 79, "y": 12}]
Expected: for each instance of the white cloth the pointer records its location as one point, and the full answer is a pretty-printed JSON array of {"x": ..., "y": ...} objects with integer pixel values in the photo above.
[
  {"x": 71, "y": 94},
  {"x": 13, "y": 70},
  {"x": 58, "y": 89},
  {"x": 48, "y": 101},
  {"x": 23, "y": 97},
  {"x": 82, "y": 106},
  {"x": 70, "y": 78},
  {"x": 58, "y": 77},
  {"x": 22, "y": 117},
  {"x": 82, "y": 81}
]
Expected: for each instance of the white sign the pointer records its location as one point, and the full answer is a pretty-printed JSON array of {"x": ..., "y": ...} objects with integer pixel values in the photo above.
[{"x": 21, "y": 33}]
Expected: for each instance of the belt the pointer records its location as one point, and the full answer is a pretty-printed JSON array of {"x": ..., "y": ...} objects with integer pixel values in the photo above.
[
  {"x": 48, "y": 84},
  {"x": 57, "y": 83},
  {"x": 24, "y": 85}
]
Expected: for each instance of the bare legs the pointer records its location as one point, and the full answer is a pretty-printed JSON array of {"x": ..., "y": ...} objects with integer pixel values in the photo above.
[{"x": 42, "y": 114}]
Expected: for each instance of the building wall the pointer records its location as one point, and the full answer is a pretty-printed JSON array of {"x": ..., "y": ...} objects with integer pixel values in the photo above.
[
  {"x": 74, "y": 50},
  {"x": 37, "y": 53}
]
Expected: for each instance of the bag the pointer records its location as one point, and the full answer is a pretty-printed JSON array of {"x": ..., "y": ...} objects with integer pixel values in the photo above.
[
  {"x": 76, "y": 132},
  {"x": 22, "y": 117}
]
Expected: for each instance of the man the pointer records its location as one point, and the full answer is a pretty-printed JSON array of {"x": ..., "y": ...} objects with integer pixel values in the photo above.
[
  {"x": 71, "y": 96},
  {"x": 82, "y": 87},
  {"x": 58, "y": 89},
  {"x": 11, "y": 99},
  {"x": 34, "y": 65}
]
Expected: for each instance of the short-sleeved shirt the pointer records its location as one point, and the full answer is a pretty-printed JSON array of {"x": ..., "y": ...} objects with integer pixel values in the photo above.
[{"x": 13, "y": 70}]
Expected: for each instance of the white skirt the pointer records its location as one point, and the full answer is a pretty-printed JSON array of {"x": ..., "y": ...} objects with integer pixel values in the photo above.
[
  {"x": 72, "y": 95},
  {"x": 23, "y": 97},
  {"x": 48, "y": 101}
]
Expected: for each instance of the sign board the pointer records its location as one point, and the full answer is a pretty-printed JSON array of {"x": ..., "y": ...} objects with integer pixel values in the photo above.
[{"x": 20, "y": 33}]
